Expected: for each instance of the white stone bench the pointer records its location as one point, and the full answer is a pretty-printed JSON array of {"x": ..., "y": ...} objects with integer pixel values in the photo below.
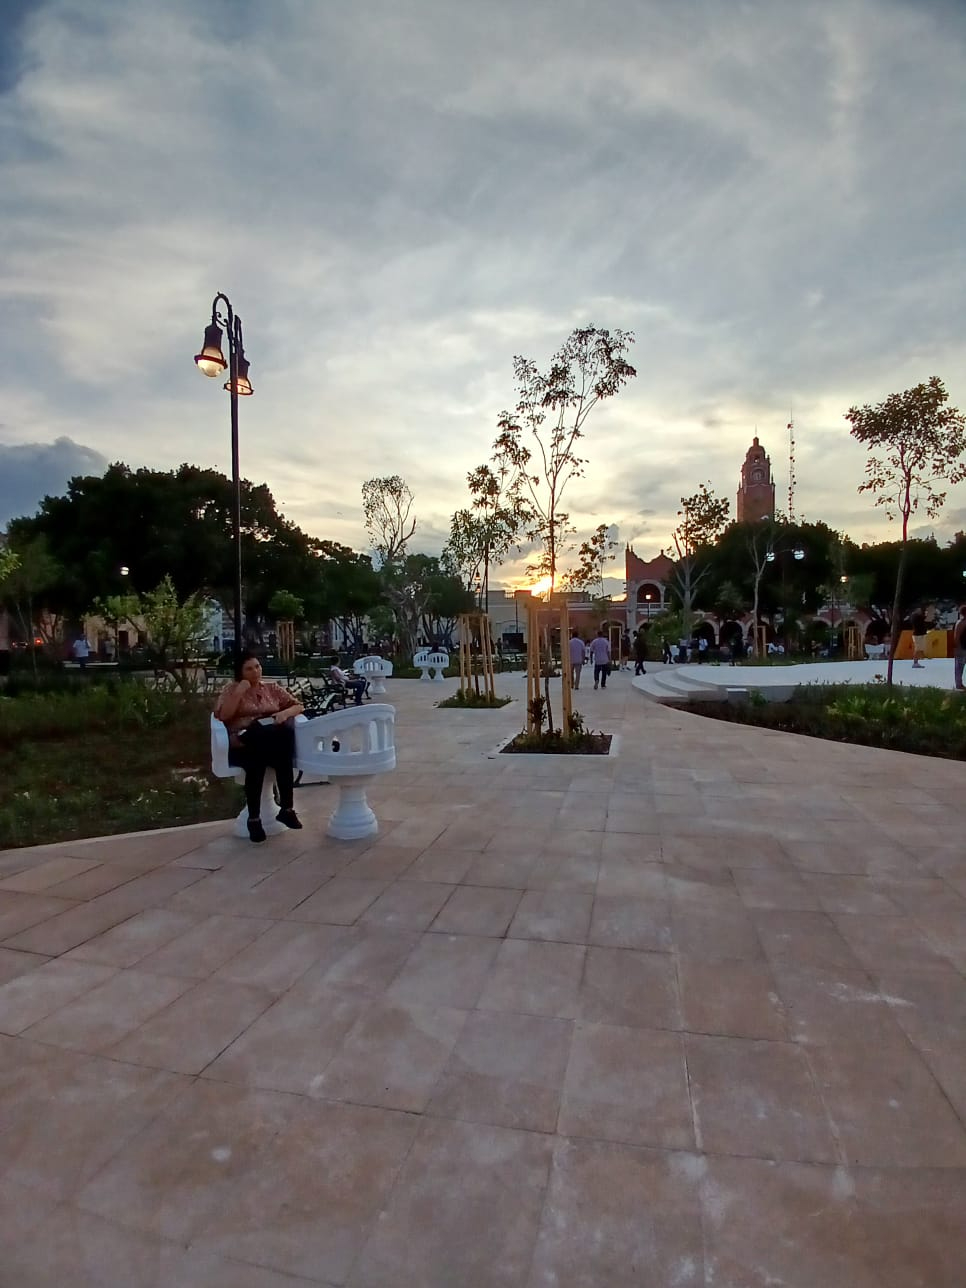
[
  {"x": 429, "y": 661},
  {"x": 377, "y": 670},
  {"x": 348, "y": 746},
  {"x": 876, "y": 651}
]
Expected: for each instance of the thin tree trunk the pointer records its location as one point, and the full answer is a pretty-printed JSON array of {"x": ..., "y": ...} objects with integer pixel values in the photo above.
[{"x": 896, "y": 612}]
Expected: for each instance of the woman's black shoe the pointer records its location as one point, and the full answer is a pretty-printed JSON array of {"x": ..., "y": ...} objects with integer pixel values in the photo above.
[
  {"x": 255, "y": 830},
  {"x": 289, "y": 818}
]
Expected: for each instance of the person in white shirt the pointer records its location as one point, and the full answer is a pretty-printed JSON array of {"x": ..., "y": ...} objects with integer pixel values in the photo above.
[
  {"x": 81, "y": 650},
  {"x": 353, "y": 683},
  {"x": 600, "y": 656},
  {"x": 576, "y": 659}
]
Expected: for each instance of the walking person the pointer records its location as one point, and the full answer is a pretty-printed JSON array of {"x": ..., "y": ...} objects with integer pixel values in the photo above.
[
  {"x": 576, "y": 659},
  {"x": 600, "y": 656},
  {"x": 666, "y": 651},
  {"x": 82, "y": 651},
  {"x": 918, "y": 623},
  {"x": 625, "y": 650},
  {"x": 959, "y": 648},
  {"x": 640, "y": 651}
]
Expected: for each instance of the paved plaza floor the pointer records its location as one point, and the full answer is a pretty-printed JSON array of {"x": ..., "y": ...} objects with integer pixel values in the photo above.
[{"x": 690, "y": 1015}]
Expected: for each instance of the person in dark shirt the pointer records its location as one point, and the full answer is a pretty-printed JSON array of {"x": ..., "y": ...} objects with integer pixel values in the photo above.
[
  {"x": 918, "y": 623},
  {"x": 640, "y": 651}
]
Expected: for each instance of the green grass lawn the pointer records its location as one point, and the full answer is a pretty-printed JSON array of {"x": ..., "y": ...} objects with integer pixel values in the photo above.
[{"x": 118, "y": 758}]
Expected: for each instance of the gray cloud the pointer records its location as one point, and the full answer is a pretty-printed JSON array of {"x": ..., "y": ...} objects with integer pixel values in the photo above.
[
  {"x": 31, "y": 471},
  {"x": 404, "y": 195}
]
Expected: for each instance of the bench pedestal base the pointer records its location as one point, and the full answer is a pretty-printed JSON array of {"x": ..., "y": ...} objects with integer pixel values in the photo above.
[{"x": 353, "y": 817}]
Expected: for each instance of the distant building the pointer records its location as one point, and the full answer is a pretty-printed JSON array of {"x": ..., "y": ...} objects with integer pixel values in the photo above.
[
  {"x": 756, "y": 491},
  {"x": 647, "y": 584}
]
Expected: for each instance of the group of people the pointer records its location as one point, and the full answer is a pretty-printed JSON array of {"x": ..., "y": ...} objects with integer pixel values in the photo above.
[{"x": 598, "y": 652}]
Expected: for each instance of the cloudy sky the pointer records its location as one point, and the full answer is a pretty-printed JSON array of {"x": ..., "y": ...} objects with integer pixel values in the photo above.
[{"x": 400, "y": 195}]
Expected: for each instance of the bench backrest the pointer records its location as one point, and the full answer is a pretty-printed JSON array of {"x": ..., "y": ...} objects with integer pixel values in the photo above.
[{"x": 219, "y": 750}]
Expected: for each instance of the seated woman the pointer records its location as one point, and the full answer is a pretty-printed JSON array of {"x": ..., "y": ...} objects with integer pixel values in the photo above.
[
  {"x": 356, "y": 685},
  {"x": 261, "y": 736}
]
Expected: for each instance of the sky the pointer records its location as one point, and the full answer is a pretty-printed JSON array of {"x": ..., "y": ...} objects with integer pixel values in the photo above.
[{"x": 401, "y": 195}]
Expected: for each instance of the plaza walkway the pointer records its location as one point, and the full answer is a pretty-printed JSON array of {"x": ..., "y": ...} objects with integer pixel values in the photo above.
[{"x": 691, "y": 1015}]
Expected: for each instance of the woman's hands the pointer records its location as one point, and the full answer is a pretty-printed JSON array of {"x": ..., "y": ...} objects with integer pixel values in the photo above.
[{"x": 289, "y": 713}]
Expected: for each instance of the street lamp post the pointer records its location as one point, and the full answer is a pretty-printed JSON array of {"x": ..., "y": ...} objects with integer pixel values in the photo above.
[{"x": 211, "y": 362}]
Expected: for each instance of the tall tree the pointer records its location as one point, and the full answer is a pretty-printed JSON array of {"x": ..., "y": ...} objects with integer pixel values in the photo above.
[
  {"x": 703, "y": 515},
  {"x": 483, "y": 534},
  {"x": 176, "y": 523},
  {"x": 29, "y": 590},
  {"x": 916, "y": 444},
  {"x": 539, "y": 440},
  {"x": 386, "y": 507},
  {"x": 594, "y": 556}
]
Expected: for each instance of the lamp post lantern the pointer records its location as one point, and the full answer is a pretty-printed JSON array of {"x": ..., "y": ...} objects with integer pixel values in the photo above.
[{"x": 211, "y": 362}]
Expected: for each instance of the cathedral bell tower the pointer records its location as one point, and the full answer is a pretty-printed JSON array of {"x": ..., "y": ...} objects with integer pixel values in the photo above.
[{"x": 756, "y": 491}]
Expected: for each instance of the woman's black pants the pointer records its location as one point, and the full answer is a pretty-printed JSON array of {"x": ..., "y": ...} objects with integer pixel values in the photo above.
[{"x": 266, "y": 747}]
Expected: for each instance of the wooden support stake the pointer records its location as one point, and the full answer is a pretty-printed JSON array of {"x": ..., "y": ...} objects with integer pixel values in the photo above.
[{"x": 565, "y": 666}]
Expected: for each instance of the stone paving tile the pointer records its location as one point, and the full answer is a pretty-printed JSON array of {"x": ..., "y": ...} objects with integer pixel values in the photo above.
[
  {"x": 731, "y": 998},
  {"x": 535, "y": 977},
  {"x": 66, "y": 1115},
  {"x": 407, "y": 905},
  {"x": 205, "y": 946},
  {"x": 37, "y": 994},
  {"x": 478, "y": 910},
  {"x": 448, "y": 867},
  {"x": 370, "y": 959},
  {"x": 126, "y": 944},
  {"x": 459, "y": 1179},
  {"x": 619, "y": 1216},
  {"x": 851, "y": 894},
  {"x": 883, "y": 943},
  {"x": 827, "y": 1005},
  {"x": 507, "y": 1070},
  {"x": 175, "y": 1177},
  {"x": 107, "y": 1013},
  {"x": 803, "y": 939},
  {"x": 560, "y": 915},
  {"x": 340, "y": 902},
  {"x": 634, "y": 989},
  {"x": 19, "y": 912},
  {"x": 911, "y": 1226},
  {"x": 760, "y": 888},
  {"x": 193, "y": 1030},
  {"x": 787, "y": 1223},
  {"x": 620, "y": 922},
  {"x": 756, "y": 1099},
  {"x": 714, "y": 934},
  {"x": 282, "y": 1050},
  {"x": 283, "y": 954},
  {"x": 42, "y": 876},
  {"x": 60, "y": 933},
  {"x": 509, "y": 867},
  {"x": 384, "y": 863},
  {"x": 887, "y": 1108},
  {"x": 13, "y": 964},
  {"x": 445, "y": 970},
  {"x": 627, "y": 1085},
  {"x": 312, "y": 1200},
  {"x": 392, "y": 1056}
]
